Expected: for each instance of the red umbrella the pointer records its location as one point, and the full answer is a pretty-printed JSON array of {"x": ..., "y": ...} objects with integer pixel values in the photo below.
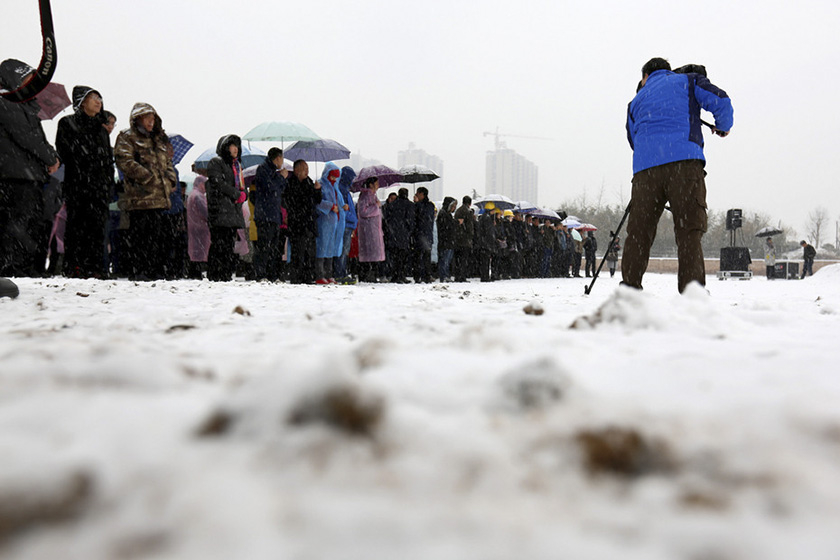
[
  {"x": 53, "y": 100},
  {"x": 586, "y": 227}
]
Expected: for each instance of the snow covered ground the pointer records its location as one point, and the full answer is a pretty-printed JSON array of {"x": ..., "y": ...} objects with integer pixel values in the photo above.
[{"x": 421, "y": 422}]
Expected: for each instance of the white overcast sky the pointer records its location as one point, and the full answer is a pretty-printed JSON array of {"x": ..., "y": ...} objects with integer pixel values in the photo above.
[{"x": 376, "y": 75}]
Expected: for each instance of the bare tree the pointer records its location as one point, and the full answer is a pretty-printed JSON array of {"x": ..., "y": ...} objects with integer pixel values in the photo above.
[{"x": 817, "y": 222}]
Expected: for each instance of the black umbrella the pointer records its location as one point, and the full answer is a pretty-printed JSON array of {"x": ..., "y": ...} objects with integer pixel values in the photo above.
[
  {"x": 417, "y": 174},
  {"x": 768, "y": 231}
]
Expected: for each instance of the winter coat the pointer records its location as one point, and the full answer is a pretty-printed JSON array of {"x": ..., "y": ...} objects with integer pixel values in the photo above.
[
  {"x": 465, "y": 231},
  {"x": 590, "y": 246},
  {"x": 198, "y": 228},
  {"x": 25, "y": 153},
  {"x": 84, "y": 148},
  {"x": 400, "y": 223},
  {"x": 769, "y": 255},
  {"x": 369, "y": 230},
  {"x": 612, "y": 254},
  {"x": 300, "y": 199},
  {"x": 223, "y": 192},
  {"x": 424, "y": 224},
  {"x": 486, "y": 233},
  {"x": 344, "y": 182},
  {"x": 663, "y": 120},
  {"x": 446, "y": 226},
  {"x": 269, "y": 193},
  {"x": 808, "y": 252},
  {"x": 143, "y": 159}
]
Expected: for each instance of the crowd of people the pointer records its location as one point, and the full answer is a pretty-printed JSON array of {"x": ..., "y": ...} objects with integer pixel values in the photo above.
[{"x": 86, "y": 209}]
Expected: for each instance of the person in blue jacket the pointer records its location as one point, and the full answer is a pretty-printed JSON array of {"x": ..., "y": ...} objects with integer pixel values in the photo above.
[
  {"x": 329, "y": 214},
  {"x": 664, "y": 130},
  {"x": 350, "y": 222},
  {"x": 268, "y": 215}
]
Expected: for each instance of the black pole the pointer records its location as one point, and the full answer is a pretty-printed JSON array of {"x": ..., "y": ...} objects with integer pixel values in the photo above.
[
  {"x": 588, "y": 289},
  {"x": 46, "y": 68}
]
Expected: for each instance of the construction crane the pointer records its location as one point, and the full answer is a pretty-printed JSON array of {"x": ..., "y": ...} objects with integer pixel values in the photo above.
[{"x": 498, "y": 134}]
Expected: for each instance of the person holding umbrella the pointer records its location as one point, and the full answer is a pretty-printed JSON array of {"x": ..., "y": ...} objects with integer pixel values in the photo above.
[
  {"x": 83, "y": 145},
  {"x": 369, "y": 230},
  {"x": 268, "y": 215},
  {"x": 770, "y": 258}
]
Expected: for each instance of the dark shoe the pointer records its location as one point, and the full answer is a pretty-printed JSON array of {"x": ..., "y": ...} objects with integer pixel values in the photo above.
[{"x": 8, "y": 288}]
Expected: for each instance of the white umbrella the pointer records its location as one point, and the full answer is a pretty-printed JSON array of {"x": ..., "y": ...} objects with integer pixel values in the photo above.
[{"x": 499, "y": 200}]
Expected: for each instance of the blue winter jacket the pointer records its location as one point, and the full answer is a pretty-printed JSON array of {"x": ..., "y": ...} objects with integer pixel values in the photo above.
[
  {"x": 268, "y": 196},
  {"x": 663, "y": 120},
  {"x": 347, "y": 176}
]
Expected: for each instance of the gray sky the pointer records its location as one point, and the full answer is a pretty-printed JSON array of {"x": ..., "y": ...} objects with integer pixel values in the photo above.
[{"x": 378, "y": 74}]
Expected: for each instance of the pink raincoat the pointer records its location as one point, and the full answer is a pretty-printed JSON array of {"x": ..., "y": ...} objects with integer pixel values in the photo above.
[
  {"x": 198, "y": 229},
  {"x": 369, "y": 230}
]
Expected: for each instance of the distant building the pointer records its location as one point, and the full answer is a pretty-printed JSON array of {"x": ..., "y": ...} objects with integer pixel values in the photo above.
[
  {"x": 511, "y": 175},
  {"x": 416, "y": 156},
  {"x": 357, "y": 161}
]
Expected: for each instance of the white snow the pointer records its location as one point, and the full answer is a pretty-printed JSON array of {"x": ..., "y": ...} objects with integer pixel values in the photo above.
[{"x": 421, "y": 422}]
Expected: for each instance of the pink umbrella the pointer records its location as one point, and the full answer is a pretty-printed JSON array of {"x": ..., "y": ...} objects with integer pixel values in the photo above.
[{"x": 53, "y": 100}]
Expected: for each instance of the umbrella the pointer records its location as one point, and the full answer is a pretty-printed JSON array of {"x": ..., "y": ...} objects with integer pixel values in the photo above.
[
  {"x": 544, "y": 213},
  {"x": 181, "y": 146},
  {"x": 768, "y": 231},
  {"x": 285, "y": 131},
  {"x": 499, "y": 200},
  {"x": 576, "y": 235},
  {"x": 571, "y": 222},
  {"x": 53, "y": 100},
  {"x": 387, "y": 177},
  {"x": 524, "y": 207},
  {"x": 250, "y": 156},
  {"x": 316, "y": 150},
  {"x": 417, "y": 174},
  {"x": 586, "y": 227}
]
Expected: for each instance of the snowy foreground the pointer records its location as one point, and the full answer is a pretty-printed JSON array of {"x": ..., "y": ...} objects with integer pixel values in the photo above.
[{"x": 421, "y": 422}]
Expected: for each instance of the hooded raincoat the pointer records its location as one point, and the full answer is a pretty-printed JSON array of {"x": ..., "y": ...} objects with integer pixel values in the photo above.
[
  {"x": 198, "y": 228},
  {"x": 142, "y": 157},
  {"x": 369, "y": 230},
  {"x": 330, "y": 235}
]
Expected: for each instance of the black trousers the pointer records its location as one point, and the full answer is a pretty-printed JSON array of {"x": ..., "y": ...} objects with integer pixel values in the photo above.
[
  {"x": 221, "y": 260},
  {"x": 84, "y": 238},
  {"x": 461, "y": 265},
  {"x": 268, "y": 251},
  {"x": 399, "y": 263},
  {"x": 21, "y": 209},
  {"x": 146, "y": 244},
  {"x": 302, "y": 264}
]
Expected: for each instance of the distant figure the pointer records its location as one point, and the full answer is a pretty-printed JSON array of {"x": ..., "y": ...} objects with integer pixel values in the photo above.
[
  {"x": 664, "y": 130},
  {"x": 399, "y": 219},
  {"x": 422, "y": 235},
  {"x": 612, "y": 254},
  {"x": 350, "y": 222},
  {"x": 446, "y": 226},
  {"x": 770, "y": 258},
  {"x": 464, "y": 233},
  {"x": 808, "y": 254},
  {"x": 590, "y": 247}
]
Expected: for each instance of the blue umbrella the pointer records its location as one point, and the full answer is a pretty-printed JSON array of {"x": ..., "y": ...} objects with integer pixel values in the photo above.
[
  {"x": 181, "y": 146},
  {"x": 316, "y": 150},
  {"x": 250, "y": 156}
]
